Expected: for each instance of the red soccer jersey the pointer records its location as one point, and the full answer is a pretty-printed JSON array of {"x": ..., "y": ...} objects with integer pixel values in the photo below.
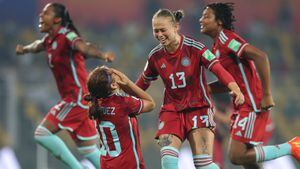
[
  {"x": 183, "y": 74},
  {"x": 119, "y": 132},
  {"x": 67, "y": 65},
  {"x": 228, "y": 47}
]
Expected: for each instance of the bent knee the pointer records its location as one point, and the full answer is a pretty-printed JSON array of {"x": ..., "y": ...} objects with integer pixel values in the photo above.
[{"x": 41, "y": 131}]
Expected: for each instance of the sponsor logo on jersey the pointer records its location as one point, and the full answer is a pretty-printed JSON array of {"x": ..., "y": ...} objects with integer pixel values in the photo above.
[
  {"x": 163, "y": 66},
  {"x": 185, "y": 61},
  {"x": 54, "y": 45}
]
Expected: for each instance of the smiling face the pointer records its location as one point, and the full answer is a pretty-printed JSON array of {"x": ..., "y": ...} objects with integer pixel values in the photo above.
[
  {"x": 208, "y": 23},
  {"x": 48, "y": 20},
  {"x": 164, "y": 30}
]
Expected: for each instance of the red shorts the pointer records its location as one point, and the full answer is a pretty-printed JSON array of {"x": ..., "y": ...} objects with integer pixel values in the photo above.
[
  {"x": 248, "y": 126},
  {"x": 70, "y": 116},
  {"x": 181, "y": 123}
]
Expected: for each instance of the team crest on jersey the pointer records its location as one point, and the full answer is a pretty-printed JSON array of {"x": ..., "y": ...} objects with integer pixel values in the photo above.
[
  {"x": 54, "y": 45},
  {"x": 185, "y": 61},
  {"x": 161, "y": 125}
]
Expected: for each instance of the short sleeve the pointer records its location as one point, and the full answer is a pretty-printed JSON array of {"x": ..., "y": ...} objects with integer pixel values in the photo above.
[
  {"x": 150, "y": 72},
  {"x": 233, "y": 42},
  {"x": 134, "y": 105},
  {"x": 208, "y": 58},
  {"x": 72, "y": 37}
]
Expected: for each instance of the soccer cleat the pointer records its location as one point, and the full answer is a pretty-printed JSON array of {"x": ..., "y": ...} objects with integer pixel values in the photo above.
[{"x": 295, "y": 148}]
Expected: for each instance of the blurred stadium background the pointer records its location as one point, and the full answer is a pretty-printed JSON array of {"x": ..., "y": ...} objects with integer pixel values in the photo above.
[{"x": 28, "y": 90}]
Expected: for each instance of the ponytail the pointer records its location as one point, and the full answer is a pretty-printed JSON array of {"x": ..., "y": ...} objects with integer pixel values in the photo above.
[
  {"x": 94, "y": 111},
  {"x": 62, "y": 12}
]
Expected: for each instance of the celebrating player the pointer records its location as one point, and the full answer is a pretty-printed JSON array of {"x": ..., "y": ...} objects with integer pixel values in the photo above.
[
  {"x": 65, "y": 50},
  {"x": 115, "y": 115},
  {"x": 187, "y": 108},
  {"x": 251, "y": 69}
]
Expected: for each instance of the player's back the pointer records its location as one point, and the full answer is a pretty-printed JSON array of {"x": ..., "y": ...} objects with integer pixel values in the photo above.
[{"x": 118, "y": 131}]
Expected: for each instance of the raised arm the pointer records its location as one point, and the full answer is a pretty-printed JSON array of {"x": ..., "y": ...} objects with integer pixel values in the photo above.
[
  {"x": 263, "y": 68},
  {"x": 35, "y": 47},
  {"x": 132, "y": 89},
  {"x": 91, "y": 51}
]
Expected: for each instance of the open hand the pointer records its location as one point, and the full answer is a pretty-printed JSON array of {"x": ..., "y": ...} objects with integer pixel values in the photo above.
[{"x": 123, "y": 79}]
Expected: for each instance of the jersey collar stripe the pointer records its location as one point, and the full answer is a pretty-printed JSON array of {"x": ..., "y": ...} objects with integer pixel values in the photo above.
[
  {"x": 194, "y": 41},
  {"x": 193, "y": 45},
  {"x": 223, "y": 35},
  {"x": 134, "y": 145},
  {"x": 154, "y": 50},
  {"x": 222, "y": 41}
]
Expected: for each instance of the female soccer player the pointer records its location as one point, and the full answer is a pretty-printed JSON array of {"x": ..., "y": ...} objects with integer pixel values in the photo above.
[
  {"x": 187, "y": 108},
  {"x": 65, "y": 51},
  {"x": 115, "y": 115},
  {"x": 244, "y": 62}
]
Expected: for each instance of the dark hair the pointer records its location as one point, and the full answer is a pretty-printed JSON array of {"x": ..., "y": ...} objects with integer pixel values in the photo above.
[
  {"x": 61, "y": 11},
  {"x": 98, "y": 84},
  {"x": 175, "y": 16},
  {"x": 223, "y": 12}
]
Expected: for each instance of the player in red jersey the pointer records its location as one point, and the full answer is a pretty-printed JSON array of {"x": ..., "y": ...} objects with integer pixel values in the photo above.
[
  {"x": 186, "y": 113},
  {"x": 65, "y": 50},
  {"x": 115, "y": 115},
  {"x": 251, "y": 69}
]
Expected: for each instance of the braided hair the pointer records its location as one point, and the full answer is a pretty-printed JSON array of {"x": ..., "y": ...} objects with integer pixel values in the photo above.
[
  {"x": 99, "y": 86},
  {"x": 223, "y": 12},
  {"x": 61, "y": 12}
]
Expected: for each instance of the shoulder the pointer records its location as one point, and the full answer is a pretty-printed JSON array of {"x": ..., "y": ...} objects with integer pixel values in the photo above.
[
  {"x": 226, "y": 36},
  {"x": 192, "y": 43},
  {"x": 155, "y": 51},
  {"x": 68, "y": 34}
]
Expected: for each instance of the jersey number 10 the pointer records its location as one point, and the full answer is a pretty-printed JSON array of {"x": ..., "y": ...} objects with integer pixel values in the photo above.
[{"x": 117, "y": 150}]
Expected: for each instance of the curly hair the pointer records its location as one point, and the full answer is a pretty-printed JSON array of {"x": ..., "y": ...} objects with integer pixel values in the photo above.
[{"x": 223, "y": 12}]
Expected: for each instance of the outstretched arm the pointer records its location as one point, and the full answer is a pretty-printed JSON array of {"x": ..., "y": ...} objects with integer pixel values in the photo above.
[
  {"x": 129, "y": 87},
  {"x": 35, "y": 47},
  {"x": 91, "y": 51},
  {"x": 263, "y": 68}
]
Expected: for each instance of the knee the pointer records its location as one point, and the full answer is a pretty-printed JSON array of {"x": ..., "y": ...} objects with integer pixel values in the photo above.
[
  {"x": 165, "y": 140},
  {"x": 41, "y": 131}
]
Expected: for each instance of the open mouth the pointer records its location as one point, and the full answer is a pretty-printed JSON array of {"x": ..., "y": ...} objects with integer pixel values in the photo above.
[{"x": 41, "y": 23}]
